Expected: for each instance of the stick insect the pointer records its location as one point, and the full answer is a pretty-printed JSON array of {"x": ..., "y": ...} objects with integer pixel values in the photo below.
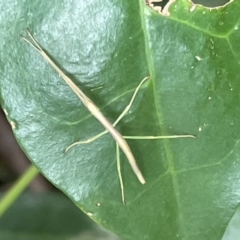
[{"x": 94, "y": 110}]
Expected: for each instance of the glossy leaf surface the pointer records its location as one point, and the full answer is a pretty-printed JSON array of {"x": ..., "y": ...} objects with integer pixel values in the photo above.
[{"x": 107, "y": 47}]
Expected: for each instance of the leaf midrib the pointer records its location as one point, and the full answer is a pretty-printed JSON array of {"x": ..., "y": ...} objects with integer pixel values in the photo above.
[{"x": 166, "y": 145}]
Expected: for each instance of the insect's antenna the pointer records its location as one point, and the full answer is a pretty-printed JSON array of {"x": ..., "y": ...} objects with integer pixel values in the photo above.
[{"x": 33, "y": 42}]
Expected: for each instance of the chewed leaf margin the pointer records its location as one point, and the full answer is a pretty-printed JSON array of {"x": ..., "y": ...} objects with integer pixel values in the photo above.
[{"x": 165, "y": 11}]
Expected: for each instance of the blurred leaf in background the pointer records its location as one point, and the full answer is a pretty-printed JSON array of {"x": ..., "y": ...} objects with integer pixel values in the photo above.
[{"x": 49, "y": 216}]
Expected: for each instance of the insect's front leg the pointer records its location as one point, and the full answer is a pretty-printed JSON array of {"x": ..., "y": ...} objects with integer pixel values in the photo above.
[{"x": 126, "y": 109}]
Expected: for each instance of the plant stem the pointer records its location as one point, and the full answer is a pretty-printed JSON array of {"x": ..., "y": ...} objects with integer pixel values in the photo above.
[{"x": 14, "y": 192}]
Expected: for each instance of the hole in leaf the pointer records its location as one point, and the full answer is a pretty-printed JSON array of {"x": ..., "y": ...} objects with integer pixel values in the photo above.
[
  {"x": 212, "y": 3},
  {"x": 162, "y": 6}
]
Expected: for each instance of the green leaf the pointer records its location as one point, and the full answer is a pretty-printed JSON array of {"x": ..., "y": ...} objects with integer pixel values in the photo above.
[{"x": 108, "y": 47}]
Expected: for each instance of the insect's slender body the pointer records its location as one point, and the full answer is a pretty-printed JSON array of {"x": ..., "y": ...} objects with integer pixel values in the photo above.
[
  {"x": 93, "y": 109},
  {"x": 110, "y": 127}
]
